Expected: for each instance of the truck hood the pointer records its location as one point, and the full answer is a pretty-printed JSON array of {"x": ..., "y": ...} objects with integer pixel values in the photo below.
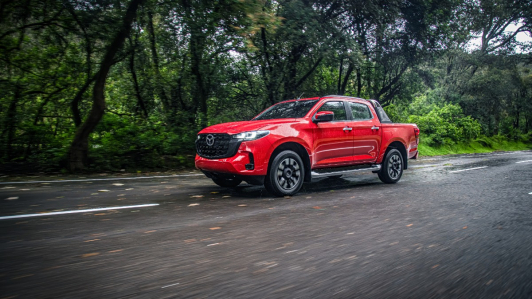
[{"x": 245, "y": 126}]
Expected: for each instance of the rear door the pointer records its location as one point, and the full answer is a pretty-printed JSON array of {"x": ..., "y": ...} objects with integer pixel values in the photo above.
[
  {"x": 366, "y": 132},
  {"x": 333, "y": 141}
]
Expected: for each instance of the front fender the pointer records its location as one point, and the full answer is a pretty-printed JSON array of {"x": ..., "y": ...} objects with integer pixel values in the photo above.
[{"x": 304, "y": 143}]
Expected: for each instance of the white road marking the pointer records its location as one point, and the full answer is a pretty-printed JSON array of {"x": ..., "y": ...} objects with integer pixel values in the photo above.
[
  {"x": 170, "y": 285},
  {"x": 530, "y": 193},
  {"x": 78, "y": 211},
  {"x": 524, "y": 161},
  {"x": 427, "y": 165},
  {"x": 106, "y": 179},
  {"x": 467, "y": 169}
]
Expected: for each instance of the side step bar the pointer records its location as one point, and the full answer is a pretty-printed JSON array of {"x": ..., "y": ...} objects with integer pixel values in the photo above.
[{"x": 316, "y": 175}]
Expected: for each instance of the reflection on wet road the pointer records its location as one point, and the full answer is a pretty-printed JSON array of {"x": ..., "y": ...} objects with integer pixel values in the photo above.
[{"x": 452, "y": 227}]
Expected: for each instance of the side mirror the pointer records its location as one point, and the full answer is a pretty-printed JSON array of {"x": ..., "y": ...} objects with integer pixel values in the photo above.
[{"x": 323, "y": 116}]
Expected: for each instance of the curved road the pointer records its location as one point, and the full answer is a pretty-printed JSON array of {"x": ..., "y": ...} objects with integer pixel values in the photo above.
[{"x": 453, "y": 227}]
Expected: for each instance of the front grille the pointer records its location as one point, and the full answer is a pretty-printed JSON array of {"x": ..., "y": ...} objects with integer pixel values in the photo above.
[{"x": 216, "y": 146}]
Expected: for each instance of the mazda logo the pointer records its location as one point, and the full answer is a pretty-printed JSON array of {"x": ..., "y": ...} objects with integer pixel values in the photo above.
[{"x": 210, "y": 140}]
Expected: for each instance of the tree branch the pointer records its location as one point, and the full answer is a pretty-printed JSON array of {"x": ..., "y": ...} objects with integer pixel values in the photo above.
[{"x": 312, "y": 69}]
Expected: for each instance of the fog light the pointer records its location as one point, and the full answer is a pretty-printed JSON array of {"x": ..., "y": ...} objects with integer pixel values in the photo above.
[{"x": 251, "y": 164}]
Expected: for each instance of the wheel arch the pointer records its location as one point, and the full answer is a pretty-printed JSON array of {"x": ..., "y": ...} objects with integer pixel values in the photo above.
[
  {"x": 299, "y": 149},
  {"x": 401, "y": 148}
]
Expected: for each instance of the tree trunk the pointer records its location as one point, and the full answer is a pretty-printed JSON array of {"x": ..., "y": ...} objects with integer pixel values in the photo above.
[
  {"x": 140, "y": 101},
  {"x": 74, "y": 105},
  {"x": 80, "y": 145},
  {"x": 339, "y": 85},
  {"x": 359, "y": 83},
  {"x": 159, "y": 86},
  {"x": 267, "y": 68},
  {"x": 350, "y": 70},
  {"x": 197, "y": 42},
  {"x": 10, "y": 123}
]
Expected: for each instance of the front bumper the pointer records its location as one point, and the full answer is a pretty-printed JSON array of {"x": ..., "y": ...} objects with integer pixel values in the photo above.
[{"x": 251, "y": 159}]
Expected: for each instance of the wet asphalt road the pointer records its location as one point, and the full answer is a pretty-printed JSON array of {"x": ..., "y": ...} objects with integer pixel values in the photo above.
[{"x": 453, "y": 227}]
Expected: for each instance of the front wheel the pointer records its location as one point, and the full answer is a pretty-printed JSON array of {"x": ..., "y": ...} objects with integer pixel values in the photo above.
[
  {"x": 230, "y": 183},
  {"x": 392, "y": 167},
  {"x": 286, "y": 174}
]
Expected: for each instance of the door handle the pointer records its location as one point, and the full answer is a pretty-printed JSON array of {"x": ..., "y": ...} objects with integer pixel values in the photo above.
[
  {"x": 374, "y": 128},
  {"x": 348, "y": 129}
]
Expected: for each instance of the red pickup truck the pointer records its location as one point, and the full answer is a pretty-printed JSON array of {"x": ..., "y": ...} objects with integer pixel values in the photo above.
[{"x": 296, "y": 141}]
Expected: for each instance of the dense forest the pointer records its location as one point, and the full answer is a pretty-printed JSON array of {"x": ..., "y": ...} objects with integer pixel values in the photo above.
[{"x": 110, "y": 85}]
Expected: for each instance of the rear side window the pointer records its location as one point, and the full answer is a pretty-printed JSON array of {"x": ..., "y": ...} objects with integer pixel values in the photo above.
[
  {"x": 383, "y": 117},
  {"x": 360, "y": 111},
  {"x": 337, "y": 107}
]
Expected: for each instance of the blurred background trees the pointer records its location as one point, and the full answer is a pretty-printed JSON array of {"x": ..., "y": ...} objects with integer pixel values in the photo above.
[{"x": 161, "y": 70}]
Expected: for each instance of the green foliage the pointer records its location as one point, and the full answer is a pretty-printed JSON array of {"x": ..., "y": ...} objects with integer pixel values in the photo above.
[
  {"x": 439, "y": 125},
  {"x": 190, "y": 64},
  {"x": 130, "y": 143},
  {"x": 481, "y": 145},
  {"x": 446, "y": 125}
]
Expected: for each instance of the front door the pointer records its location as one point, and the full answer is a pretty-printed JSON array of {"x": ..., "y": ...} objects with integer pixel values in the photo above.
[{"x": 333, "y": 141}]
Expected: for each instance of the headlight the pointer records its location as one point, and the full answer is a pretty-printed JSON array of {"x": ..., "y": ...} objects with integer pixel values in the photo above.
[
  {"x": 253, "y": 135},
  {"x": 198, "y": 138}
]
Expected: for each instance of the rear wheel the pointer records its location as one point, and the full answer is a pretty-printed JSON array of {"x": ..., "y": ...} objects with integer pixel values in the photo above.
[
  {"x": 286, "y": 174},
  {"x": 230, "y": 183},
  {"x": 392, "y": 167}
]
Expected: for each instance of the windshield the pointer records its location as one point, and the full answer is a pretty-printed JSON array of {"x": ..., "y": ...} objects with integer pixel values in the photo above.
[{"x": 294, "y": 109}]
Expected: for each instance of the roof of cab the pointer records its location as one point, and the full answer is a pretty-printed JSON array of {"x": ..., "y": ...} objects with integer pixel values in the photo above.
[
  {"x": 306, "y": 99},
  {"x": 344, "y": 97},
  {"x": 325, "y": 97}
]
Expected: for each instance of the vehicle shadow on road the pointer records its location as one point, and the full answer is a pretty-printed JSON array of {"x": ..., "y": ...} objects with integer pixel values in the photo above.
[
  {"x": 343, "y": 183},
  {"x": 246, "y": 191}
]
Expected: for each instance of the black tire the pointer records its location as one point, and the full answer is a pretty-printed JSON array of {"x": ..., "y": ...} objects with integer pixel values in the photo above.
[
  {"x": 285, "y": 174},
  {"x": 392, "y": 167},
  {"x": 229, "y": 183}
]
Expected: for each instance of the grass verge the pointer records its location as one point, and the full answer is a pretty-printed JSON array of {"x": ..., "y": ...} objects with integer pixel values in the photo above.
[{"x": 480, "y": 145}]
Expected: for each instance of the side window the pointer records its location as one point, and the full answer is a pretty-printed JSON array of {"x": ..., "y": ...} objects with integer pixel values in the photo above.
[
  {"x": 360, "y": 111},
  {"x": 336, "y": 107}
]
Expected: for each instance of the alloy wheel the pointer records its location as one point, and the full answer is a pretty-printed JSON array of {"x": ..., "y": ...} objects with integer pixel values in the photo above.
[
  {"x": 395, "y": 165},
  {"x": 288, "y": 174}
]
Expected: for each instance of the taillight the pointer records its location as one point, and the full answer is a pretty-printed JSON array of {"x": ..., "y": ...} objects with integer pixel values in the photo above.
[{"x": 416, "y": 132}]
